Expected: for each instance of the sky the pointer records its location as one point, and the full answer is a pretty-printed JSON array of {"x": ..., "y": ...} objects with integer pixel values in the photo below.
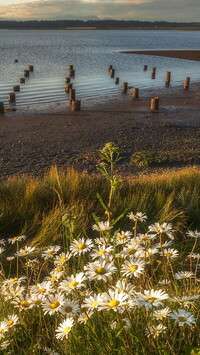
[{"x": 150, "y": 10}]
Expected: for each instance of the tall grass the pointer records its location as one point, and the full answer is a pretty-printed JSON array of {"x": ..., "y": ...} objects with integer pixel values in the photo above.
[{"x": 35, "y": 206}]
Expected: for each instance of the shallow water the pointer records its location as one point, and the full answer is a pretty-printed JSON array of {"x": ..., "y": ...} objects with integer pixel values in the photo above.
[{"x": 90, "y": 52}]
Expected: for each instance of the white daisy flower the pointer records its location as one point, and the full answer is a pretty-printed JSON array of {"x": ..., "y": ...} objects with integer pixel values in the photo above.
[
  {"x": 3, "y": 242},
  {"x": 25, "y": 251},
  {"x": 113, "y": 300},
  {"x": 147, "y": 237},
  {"x": 85, "y": 316},
  {"x": 133, "y": 267},
  {"x": 2, "y": 250},
  {"x": 165, "y": 228},
  {"x": 139, "y": 216},
  {"x": 92, "y": 302},
  {"x": 99, "y": 270},
  {"x": 50, "y": 252},
  {"x": 194, "y": 256},
  {"x": 53, "y": 303},
  {"x": 170, "y": 253},
  {"x": 64, "y": 328},
  {"x": 102, "y": 252},
  {"x": 125, "y": 286},
  {"x": 161, "y": 313},
  {"x": 81, "y": 246},
  {"x": 101, "y": 226},
  {"x": 43, "y": 288},
  {"x": 151, "y": 298},
  {"x": 11, "y": 320},
  {"x": 4, "y": 344},
  {"x": 62, "y": 258},
  {"x": 149, "y": 252},
  {"x": 73, "y": 282},
  {"x": 155, "y": 330},
  {"x": 182, "y": 317},
  {"x": 133, "y": 248},
  {"x": 70, "y": 308},
  {"x": 24, "y": 303},
  {"x": 183, "y": 275},
  {"x": 193, "y": 234},
  {"x": 19, "y": 238},
  {"x": 123, "y": 237},
  {"x": 3, "y": 328}
]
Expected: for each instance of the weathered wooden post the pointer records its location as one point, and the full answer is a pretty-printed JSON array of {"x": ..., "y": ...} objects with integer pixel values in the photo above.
[
  {"x": 11, "y": 97},
  {"x": 186, "y": 83},
  {"x": 1, "y": 107},
  {"x": 26, "y": 73},
  {"x": 154, "y": 106},
  {"x": 72, "y": 94},
  {"x": 15, "y": 60},
  {"x": 30, "y": 68},
  {"x": 135, "y": 93},
  {"x": 70, "y": 67},
  {"x": 68, "y": 87},
  {"x": 145, "y": 67},
  {"x": 124, "y": 87},
  {"x": 16, "y": 88},
  {"x": 110, "y": 67},
  {"x": 67, "y": 80},
  {"x": 22, "y": 80},
  {"x": 112, "y": 73},
  {"x": 167, "y": 78},
  {"x": 76, "y": 105},
  {"x": 116, "y": 80},
  {"x": 153, "y": 73},
  {"x": 71, "y": 72}
]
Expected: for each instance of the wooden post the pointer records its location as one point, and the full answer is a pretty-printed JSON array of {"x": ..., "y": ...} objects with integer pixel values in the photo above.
[
  {"x": 67, "y": 79},
  {"x": 124, "y": 87},
  {"x": 112, "y": 73},
  {"x": 110, "y": 67},
  {"x": 76, "y": 105},
  {"x": 15, "y": 60},
  {"x": 22, "y": 80},
  {"x": 167, "y": 78},
  {"x": 70, "y": 67},
  {"x": 26, "y": 73},
  {"x": 154, "y": 104},
  {"x": 16, "y": 88},
  {"x": 135, "y": 93},
  {"x": 72, "y": 94},
  {"x": 116, "y": 80},
  {"x": 1, "y": 107},
  {"x": 68, "y": 87},
  {"x": 71, "y": 72},
  {"x": 153, "y": 73},
  {"x": 145, "y": 67},
  {"x": 186, "y": 83},
  {"x": 11, "y": 97},
  {"x": 30, "y": 68}
]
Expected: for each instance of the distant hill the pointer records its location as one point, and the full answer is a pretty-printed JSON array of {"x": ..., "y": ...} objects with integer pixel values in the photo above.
[{"x": 98, "y": 24}]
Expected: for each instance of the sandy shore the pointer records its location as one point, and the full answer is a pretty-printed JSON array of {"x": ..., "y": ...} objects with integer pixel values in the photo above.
[
  {"x": 34, "y": 140},
  {"x": 182, "y": 54}
]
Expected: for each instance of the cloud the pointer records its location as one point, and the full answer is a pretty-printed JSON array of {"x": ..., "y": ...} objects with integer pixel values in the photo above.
[{"x": 171, "y": 10}]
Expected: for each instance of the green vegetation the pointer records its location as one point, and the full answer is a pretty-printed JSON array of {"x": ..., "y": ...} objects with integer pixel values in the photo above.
[
  {"x": 91, "y": 276},
  {"x": 145, "y": 158}
]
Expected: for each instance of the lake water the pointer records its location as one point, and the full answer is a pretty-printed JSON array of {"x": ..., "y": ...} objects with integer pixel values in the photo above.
[{"x": 50, "y": 52}]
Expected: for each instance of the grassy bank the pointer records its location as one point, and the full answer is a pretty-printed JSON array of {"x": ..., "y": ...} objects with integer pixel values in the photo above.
[{"x": 35, "y": 207}]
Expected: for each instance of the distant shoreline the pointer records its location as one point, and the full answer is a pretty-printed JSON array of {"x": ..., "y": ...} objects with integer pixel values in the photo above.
[
  {"x": 181, "y": 54},
  {"x": 108, "y": 29}
]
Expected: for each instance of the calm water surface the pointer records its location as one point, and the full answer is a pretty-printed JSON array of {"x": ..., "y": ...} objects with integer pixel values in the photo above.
[{"x": 90, "y": 52}]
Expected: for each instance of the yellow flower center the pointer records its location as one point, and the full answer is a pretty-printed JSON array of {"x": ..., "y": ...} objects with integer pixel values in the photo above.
[
  {"x": 150, "y": 299},
  {"x": 117, "y": 255},
  {"x": 133, "y": 267},
  {"x": 100, "y": 270},
  {"x": 182, "y": 319},
  {"x": 160, "y": 229},
  {"x": 122, "y": 236},
  {"x": 94, "y": 304},
  {"x": 85, "y": 318},
  {"x": 68, "y": 309},
  {"x": 53, "y": 278},
  {"x": 122, "y": 290},
  {"x": 51, "y": 252},
  {"x": 168, "y": 254},
  {"x": 101, "y": 252},
  {"x": 38, "y": 302},
  {"x": 113, "y": 303},
  {"x": 63, "y": 259},
  {"x": 59, "y": 268},
  {"x": 25, "y": 304},
  {"x": 146, "y": 237},
  {"x": 73, "y": 283},
  {"x": 160, "y": 315},
  {"x": 42, "y": 290},
  {"x": 24, "y": 251},
  {"x": 66, "y": 330},
  {"x": 132, "y": 251},
  {"x": 54, "y": 304},
  {"x": 15, "y": 279},
  {"x": 1, "y": 331},
  {"x": 10, "y": 322},
  {"x": 81, "y": 246}
]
